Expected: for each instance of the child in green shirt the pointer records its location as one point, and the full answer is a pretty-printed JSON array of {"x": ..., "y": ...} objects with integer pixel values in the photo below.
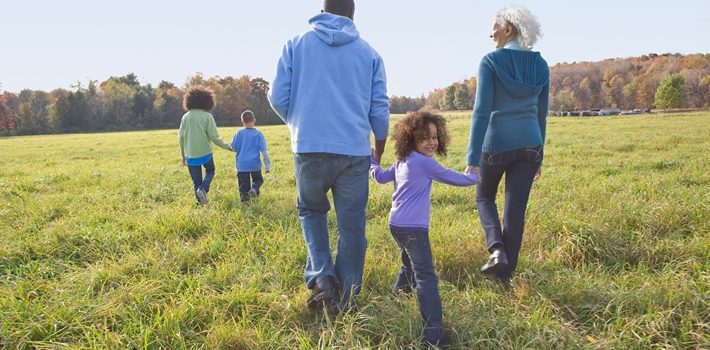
[{"x": 198, "y": 131}]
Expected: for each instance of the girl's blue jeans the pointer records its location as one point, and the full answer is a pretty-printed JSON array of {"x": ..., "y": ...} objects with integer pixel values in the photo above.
[
  {"x": 417, "y": 271},
  {"x": 196, "y": 174}
]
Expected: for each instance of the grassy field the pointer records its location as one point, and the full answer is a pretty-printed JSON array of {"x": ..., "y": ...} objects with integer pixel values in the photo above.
[{"x": 102, "y": 246}]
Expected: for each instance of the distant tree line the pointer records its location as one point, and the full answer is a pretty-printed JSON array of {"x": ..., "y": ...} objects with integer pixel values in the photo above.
[
  {"x": 457, "y": 96},
  {"x": 123, "y": 103},
  {"x": 649, "y": 81}
]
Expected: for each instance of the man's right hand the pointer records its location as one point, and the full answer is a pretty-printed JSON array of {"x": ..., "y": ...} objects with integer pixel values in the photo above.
[{"x": 379, "y": 149}]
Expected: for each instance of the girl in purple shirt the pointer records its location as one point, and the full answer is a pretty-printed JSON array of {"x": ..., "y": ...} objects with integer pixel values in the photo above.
[{"x": 418, "y": 137}]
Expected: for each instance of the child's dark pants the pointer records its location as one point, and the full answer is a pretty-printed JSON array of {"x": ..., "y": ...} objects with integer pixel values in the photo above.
[
  {"x": 249, "y": 180},
  {"x": 418, "y": 271}
]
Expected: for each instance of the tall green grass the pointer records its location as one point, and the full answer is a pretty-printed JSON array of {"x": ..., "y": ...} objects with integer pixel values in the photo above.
[{"x": 102, "y": 246}]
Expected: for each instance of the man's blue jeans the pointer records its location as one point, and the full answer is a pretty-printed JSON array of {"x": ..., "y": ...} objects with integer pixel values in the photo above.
[
  {"x": 418, "y": 271},
  {"x": 519, "y": 167},
  {"x": 347, "y": 177}
]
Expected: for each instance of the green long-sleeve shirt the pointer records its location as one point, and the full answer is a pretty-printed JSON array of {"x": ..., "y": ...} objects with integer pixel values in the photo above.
[{"x": 197, "y": 129}]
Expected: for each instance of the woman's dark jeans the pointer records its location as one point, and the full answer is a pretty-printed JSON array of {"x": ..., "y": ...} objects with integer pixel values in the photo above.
[
  {"x": 519, "y": 167},
  {"x": 196, "y": 175},
  {"x": 418, "y": 272}
]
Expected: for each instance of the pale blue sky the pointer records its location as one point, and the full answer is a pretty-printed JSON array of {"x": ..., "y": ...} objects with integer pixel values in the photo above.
[{"x": 425, "y": 44}]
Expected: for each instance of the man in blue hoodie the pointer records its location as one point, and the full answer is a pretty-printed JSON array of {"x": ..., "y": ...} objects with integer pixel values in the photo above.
[{"x": 330, "y": 89}]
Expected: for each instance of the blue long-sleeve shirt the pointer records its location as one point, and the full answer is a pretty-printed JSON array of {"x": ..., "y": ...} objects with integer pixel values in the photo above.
[
  {"x": 330, "y": 89},
  {"x": 248, "y": 143},
  {"x": 412, "y": 187},
  {"x": 511, "y": 106}
]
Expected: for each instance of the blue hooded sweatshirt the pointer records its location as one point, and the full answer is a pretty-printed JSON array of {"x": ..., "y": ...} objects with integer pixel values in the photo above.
[
  {"x": 330, "y": 89},
  {"x": 511, "y": 103}
]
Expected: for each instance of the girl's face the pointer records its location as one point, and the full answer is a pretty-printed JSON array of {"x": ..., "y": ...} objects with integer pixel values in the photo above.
[{"x": 428, "y": 145}]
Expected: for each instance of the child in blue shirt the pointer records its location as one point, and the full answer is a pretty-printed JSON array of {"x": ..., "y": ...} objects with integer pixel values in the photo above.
[{"x": 247, "y": 143}]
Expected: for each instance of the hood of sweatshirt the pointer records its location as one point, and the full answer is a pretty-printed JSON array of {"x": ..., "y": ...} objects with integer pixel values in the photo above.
[
  {"x": 334, "y": 30},
  {"x": 522, "y": 73}
]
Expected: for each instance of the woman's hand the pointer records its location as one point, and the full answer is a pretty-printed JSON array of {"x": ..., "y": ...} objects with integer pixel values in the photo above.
[
  {"x": 473, "y": 169},
  {"x": 538, "y": 173}
]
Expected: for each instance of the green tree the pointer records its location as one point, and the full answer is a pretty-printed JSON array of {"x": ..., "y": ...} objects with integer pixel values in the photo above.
[
  {"x": 58, "y": 106},
  {"x": 259, "y": 103},
  {"x": 140, "y": 99},
  {"x": 142, "y": 105},
  {"x": 32, "y": 115},
  {"x": 117, "y": 104},
  {"x": 167, "y": 106},
  {"x": 670, "y": 92},
  {"x": 197, "y": 79},
  {"x": 462, "y": 97},
  {"x": 129, "y": 79},
  {"x": 70, "y": 112},
  {"x": 446, "y": 103},
  {"x": 96, "y": 119},
  {"x": 432, "y": 101}
]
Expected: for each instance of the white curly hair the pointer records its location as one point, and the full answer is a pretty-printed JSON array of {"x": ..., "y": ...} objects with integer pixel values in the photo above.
[{"x": 524, "y": 21}]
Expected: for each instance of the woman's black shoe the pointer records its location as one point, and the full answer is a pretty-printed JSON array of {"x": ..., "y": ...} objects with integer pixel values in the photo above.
[{"x": 496, "y": 262}]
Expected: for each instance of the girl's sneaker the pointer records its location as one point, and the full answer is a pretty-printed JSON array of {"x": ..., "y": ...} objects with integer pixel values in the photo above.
[{"x": 201, "y": 196}]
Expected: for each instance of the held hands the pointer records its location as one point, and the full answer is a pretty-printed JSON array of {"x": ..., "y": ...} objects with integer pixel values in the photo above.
[
  {"x": 473, "y": 169},
  {"x": 377, "y": 156}
]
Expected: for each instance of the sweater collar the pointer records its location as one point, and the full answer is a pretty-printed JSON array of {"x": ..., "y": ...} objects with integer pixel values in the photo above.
[{"x": 514, "y": 45}]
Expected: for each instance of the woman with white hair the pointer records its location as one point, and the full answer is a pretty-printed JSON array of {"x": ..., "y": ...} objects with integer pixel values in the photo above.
[{"x": 508, "y": 133}]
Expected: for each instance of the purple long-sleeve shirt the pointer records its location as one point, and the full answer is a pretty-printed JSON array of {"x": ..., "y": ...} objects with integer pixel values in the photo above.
[{"x": 412, "y": 186}]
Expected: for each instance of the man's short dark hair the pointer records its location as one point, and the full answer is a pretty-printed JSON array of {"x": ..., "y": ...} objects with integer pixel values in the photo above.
[
  {"x": 198, "y": 97},
  {"x": 340, "y": 7}
]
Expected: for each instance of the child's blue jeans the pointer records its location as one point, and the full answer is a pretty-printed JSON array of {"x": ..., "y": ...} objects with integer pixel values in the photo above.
[
  {"x": 418, "y": 271},
  {"x": 196, "y": 175}
]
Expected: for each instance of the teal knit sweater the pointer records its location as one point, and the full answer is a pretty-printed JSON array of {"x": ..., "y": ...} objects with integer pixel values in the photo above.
[{"x": 511, "y": 103}]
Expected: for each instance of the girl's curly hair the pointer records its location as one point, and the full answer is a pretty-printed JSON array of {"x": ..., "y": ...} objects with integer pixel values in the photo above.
[
  {"x": 198, "y": 97},
  {"x": 414, "y": 127}
]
